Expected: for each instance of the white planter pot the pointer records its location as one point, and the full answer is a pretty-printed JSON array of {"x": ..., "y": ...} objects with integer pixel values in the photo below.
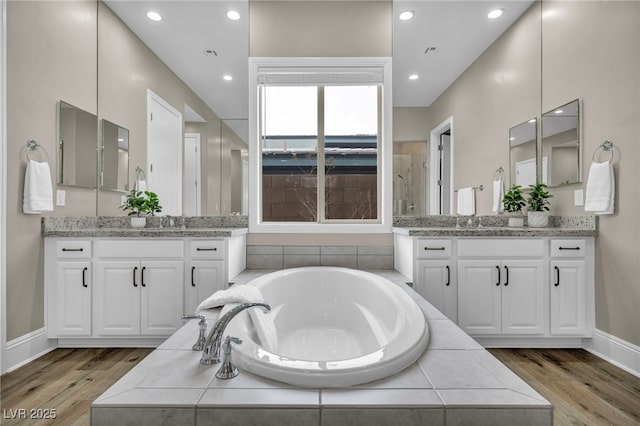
[
  {"x": 538, "y": 219},
  {"x": 138, "y": 222},
  {"x": 516, "y": 221}
]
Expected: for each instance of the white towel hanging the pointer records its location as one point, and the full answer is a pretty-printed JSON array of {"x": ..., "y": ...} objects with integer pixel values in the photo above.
[
  {"x": 600, "y": 192},
  {"x": 466, "y": 201},
  {"x": 38, "y": 191},
  {"x": 498, "y": 195}
]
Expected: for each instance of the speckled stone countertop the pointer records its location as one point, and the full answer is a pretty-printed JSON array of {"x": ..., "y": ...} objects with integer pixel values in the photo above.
[
  {"x": 157, "y": 227},
  {"x": 493, "y": 226}
]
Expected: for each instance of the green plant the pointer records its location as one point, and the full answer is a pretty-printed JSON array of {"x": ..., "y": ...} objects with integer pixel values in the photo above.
[
  {"x": 538, "y": 199},
  {"x": 513, "y": 200},
  {"x": 140, "y": 203}
]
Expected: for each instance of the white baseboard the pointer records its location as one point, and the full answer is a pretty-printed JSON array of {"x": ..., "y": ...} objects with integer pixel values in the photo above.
[
  {"x": 26, "y": 348},
  {"x": 615, "y": 350}
]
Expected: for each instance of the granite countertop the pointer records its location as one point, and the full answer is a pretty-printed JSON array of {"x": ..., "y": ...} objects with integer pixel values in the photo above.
[
  {"x": 157, "y": 227},
  {"x": 493, "y": 226}
]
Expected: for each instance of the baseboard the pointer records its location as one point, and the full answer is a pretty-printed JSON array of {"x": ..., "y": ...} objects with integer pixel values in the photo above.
[
  {"x": 124, "y": 342},
  {"x": 615, "y": 350},
  {"x": 26, "y": 348}
]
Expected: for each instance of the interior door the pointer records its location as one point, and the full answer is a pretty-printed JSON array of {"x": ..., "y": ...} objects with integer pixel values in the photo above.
[
  {"x": 164, "y": 153},
  {"x": 192, "y": 198}
]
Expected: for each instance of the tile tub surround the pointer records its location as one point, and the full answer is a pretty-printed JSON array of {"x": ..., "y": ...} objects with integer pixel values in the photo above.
[
  {"x": 354, "y": 257},
  {"x": 493, "y": 226},
  {"x": 454, "y": 382},
  {"x": 160, "y": 226}
]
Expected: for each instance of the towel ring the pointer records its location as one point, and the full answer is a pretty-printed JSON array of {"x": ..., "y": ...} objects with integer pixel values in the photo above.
[
  {"x": 32, "y": 146},
  {"x": 498, "y": 174},
  {"x": 606, "y": 146}
]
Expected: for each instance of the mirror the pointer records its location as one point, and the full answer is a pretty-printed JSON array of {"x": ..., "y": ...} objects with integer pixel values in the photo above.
[
  {"x": 77, "y": 136},
  {"x": 523, "y": 153},
  {"x": 114, "y": 155},
  {"x": 561, "y": 145}
]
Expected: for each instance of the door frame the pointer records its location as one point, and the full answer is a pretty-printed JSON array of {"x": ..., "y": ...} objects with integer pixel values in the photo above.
[
  {"x": 196, "y": 136},
  {"x": 434, "y": 165}
]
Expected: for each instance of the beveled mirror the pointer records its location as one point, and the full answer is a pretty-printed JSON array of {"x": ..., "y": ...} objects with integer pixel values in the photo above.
[
  {"x": 114, "y": 154},
  {"x": 561, "y": 145},
  {"x": 523, "y": 153},
  {"x": 77, "y": 136}
]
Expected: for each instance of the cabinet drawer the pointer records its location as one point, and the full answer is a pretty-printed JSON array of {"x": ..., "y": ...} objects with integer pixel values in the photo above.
[
  {"x": 568, "y": 248},
  {"x": 433, "y": 249},
  {"x": 499, "y": 247},
  {"x": 73, "y": 249},
  {"x": 140, "y": 249},
  {"x": 206, "y": 249}
]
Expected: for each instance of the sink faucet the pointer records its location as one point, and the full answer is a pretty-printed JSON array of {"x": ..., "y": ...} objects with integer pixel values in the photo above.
[{"x": 211, "y": 351}]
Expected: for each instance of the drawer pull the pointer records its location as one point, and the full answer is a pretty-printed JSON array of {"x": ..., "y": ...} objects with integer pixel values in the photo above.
[
  {"x": 207, "y": 249},
  {"x": 557, "y": 283},
  {"x": 499, "y": 280},
  {"x": 193, "y": 271},
  {"x": 72, "y": 249},
  {"x": 568, "y": 248},
  {"x": 142, "y": 277},
  {"x": 434, "y": 248},
  {"x": 84, "y": 277},
  {"x": 135, "y": 269},
  {"x": 448, "y": 276},
  {"x": 506, "y": 270}
]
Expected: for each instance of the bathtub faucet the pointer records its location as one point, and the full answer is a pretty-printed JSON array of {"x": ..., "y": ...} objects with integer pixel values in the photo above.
[{"x": 211, "y": 351}]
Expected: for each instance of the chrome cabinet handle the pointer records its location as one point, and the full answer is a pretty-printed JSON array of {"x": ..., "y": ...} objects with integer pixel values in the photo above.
[
  {"x": 135, "y": 269},
  {"x": 557, "y": 283},
  {"x": 193, "y": 270},
  {"x": 142, "y": 277},
  {"x": 506, "y": 269},
  {"x": 84, "y": 277},
  {"x": 448, "y": 276},
  {"x": 499, "y": 280}
]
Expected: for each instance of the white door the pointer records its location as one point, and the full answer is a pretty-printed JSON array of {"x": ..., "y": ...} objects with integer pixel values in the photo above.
[
  {"x": 245, "y": 187},
  {"x": 205, "y": 278},
  {"x": 441, "y": 168},
  {"x": 523, "y": 290},
  {"x": 526, "y": 172},
  {"x": 164, "y": 153},
  {"x": 479, "y": 287},
  {"x": 435, "y": 283},
  {"x": 192, "y": 197},
  {"x": 116, "y": 298},
  {"x": 161, "y": 288},
  {"x": 567, "y": 297},
  {"x": 73, "y": 283}
]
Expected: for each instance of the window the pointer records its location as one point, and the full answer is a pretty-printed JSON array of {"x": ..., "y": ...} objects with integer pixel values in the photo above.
[{"x": 318, "y": 150}]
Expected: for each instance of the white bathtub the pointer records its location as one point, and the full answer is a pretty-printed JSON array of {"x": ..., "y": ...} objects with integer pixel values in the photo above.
[{"x": 336, "y": 327}]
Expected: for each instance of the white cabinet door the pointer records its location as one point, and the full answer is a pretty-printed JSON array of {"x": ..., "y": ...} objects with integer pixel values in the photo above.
[
  {"x": 73, "y": 294},
  {"x": 204, "y": 279},
  {"x": 436, "y": 283},
  {"x": 161, "y": 296},
  {"x": 523, "y": 301},
  {"x": 568, "y": 297},
  {"x": 117, "y": 298},
  {"x": 479, "y": 301}
]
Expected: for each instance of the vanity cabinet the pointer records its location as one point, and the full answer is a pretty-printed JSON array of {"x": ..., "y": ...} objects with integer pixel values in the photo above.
[
  {"x": 206, "y": 272},
  {"x": 436, "y": 275},
  {"x": 568, "y": 270}
]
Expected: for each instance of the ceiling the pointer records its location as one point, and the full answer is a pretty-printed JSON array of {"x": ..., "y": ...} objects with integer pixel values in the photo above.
[{"x": 459, "y": 31}]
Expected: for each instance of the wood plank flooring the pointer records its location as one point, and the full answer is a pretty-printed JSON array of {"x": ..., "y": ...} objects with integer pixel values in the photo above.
[{"x": 583, "y": 389}]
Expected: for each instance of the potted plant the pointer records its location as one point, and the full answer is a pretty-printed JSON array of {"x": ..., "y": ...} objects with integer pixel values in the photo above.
[
  {"x": 141, "y": 204},
  {"x": 513, "y": 202},
  {"x": 538, "y": 201}
]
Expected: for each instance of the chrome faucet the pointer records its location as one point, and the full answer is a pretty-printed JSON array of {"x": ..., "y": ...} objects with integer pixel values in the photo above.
[
  {"x": 202, "y": 324},
  {"x": 227, "y": 370},
  {"x": 211, "y": 351}
]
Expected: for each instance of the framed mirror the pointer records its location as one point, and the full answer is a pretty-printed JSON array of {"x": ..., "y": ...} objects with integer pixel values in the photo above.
[
  {"x": 114, "y": 171},
  {"x": 523, "y": 153},
  {"x": 77, "y": 136},
  {"x": 561, "y": 145}
]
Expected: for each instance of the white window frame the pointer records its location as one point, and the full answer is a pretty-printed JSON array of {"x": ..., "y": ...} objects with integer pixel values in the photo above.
[{"x": 385, "y": 148}]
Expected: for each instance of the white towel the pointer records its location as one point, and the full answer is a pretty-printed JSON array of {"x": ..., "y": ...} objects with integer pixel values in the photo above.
[
  {"x": 38, "y": 192},
  {"x": 263, "y": 322},
  {"x": 141, "y": 185},
  {"x": 498, "y": 195},
  {"x": 601, "y": 188},
  {"x": 466, "y": 201}
]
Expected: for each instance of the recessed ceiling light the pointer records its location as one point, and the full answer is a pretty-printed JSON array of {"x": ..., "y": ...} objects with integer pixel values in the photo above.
[
  {"x": 227, "y": 77},
  {"x": 120, "y": 140},
  {"x": 154, "y": 16},
  {"x": 234, "y": 15},
  {"x": 512, "y": 139},
  {"x": 495, "y": 13},
  {"x": 406, "y": 15},
  {"x": 558, "y": 111},
  {"x": 533, "y": 120},
  {"x": 414, "y": 77}
]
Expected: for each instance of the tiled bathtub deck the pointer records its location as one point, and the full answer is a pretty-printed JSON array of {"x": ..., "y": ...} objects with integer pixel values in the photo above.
[{"x": 455, "y": 382}]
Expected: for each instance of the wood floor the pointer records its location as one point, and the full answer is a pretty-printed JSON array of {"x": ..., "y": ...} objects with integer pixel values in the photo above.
[{"x": 583, "y": 389}]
